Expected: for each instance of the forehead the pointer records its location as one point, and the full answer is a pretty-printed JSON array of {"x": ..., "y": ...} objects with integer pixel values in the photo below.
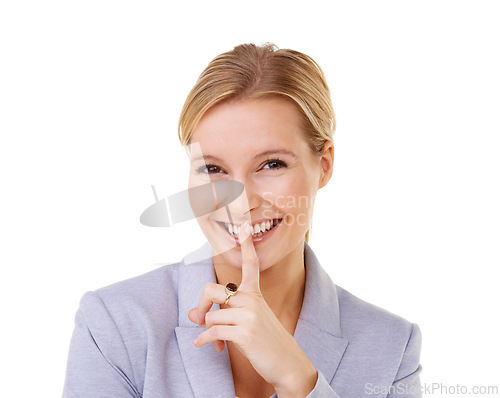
[{"x": 251, "y": 125}]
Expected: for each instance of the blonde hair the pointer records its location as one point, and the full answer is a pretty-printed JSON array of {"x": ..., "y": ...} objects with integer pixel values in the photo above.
[{"x": 249, "y": 72}]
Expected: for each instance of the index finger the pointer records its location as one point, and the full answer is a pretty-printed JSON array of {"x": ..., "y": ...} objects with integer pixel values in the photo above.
[{"x": 250, "y": 271}]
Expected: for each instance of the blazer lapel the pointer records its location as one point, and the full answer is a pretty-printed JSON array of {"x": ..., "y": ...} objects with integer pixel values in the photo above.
[
  {"x": 317, "y": 331},
  {"x": 318, "y": 328},
  {"x": 208, "y": 371}
]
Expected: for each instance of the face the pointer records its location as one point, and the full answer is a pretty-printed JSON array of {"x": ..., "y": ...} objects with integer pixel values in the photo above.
[{"x": 259, "y": 143}]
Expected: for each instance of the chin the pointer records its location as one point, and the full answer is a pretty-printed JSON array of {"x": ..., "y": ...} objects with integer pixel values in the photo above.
[{"x": 233, "y": 258}]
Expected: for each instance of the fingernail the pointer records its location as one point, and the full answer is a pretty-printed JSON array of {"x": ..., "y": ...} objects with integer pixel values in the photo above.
[{"x": 195, "y": 342}]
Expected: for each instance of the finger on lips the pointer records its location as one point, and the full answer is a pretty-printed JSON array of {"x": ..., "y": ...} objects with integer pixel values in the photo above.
[
  {"x": 250, "y": 262},
  {"x": 221, "y": 324}
]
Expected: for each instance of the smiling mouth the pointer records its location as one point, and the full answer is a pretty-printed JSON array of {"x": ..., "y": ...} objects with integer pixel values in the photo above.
[{"x": 258, "y": 229}]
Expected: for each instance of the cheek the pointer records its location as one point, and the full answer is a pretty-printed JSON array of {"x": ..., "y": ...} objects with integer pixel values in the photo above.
[
  {"x": 215, "y": 237},
  {"x": 296, "y": 207},
  {"x": 204, "y": 224},
  {"x": 296, "y": 196}
]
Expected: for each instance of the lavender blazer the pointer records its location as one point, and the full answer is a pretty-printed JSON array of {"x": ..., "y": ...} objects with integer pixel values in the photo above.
[{"x": 133, "y": 339}]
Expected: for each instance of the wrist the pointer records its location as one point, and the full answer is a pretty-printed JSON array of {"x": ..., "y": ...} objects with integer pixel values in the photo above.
[{"x": 298, "y": 385}]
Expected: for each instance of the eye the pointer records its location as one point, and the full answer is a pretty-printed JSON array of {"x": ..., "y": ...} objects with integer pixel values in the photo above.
[
  {"x": 209, "y": 169},
  {"x": 275, "y": 164}
]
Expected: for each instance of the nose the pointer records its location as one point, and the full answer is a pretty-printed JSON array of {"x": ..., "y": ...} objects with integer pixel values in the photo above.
[{"x": 250, "y": 199}]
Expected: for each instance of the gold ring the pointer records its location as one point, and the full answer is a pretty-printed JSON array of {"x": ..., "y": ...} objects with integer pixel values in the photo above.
[{"x": 231, "y": 290}]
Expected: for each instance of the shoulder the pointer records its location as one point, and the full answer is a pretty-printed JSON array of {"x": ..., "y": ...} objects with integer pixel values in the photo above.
[
  {"x": 356, "y": 313},
  {"x": 140, "y": 290},
  {"x": 134, "y": 304},
  {"x": 145, "y": 302},
  {"x": 375, "y": 332}
]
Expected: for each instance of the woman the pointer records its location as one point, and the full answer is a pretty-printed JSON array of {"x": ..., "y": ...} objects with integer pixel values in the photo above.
[{"x": 261, "y": 116}]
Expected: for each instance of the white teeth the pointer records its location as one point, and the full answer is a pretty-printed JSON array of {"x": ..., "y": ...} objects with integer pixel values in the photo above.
[{"x": 263, "y": 227}]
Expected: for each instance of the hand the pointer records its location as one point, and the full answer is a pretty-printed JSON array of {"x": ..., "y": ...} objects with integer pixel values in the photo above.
[{"x": 254, "y": 329}]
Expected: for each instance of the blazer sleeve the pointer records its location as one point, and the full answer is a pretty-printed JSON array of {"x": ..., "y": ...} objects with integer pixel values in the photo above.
[
  {"x": 321, "y": 390},
  {"x": 98, "y": 363},
  {"x": 407, "y": 381}
]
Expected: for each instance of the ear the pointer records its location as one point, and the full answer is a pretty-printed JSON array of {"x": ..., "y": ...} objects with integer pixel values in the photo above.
[{"x": 326, "y": 163}]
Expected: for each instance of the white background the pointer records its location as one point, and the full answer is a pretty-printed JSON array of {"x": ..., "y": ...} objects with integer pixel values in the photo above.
[{"x": 90, "y": 96}]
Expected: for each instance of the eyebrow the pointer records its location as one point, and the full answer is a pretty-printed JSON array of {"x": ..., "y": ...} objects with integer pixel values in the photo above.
[{"x": 262, "y": 154}]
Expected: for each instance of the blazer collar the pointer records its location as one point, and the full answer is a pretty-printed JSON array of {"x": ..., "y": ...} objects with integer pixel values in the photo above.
[{"x": 318, "y": 331}]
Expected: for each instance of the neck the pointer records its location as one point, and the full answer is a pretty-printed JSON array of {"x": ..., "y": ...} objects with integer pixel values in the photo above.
[{"x": 282, "y": 284}]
